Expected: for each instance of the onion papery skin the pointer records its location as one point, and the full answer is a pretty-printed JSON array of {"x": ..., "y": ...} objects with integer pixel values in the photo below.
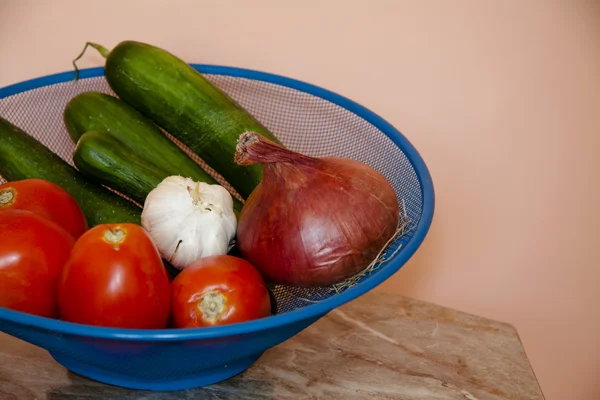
[{"x": 312, "y": 221}]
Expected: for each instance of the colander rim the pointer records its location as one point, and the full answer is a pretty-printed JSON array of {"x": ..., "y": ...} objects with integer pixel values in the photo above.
[{"x": 312, "y": 311}]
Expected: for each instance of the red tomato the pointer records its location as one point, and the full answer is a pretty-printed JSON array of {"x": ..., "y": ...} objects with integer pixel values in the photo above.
[
  {"x": 46, "y": 199},
  {"x": 218, "y": 290},
  {"x": 115, "y": 278},
  {"x": 33, "y": 252}
]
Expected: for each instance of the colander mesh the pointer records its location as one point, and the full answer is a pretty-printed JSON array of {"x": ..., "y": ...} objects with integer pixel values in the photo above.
[{"x": 302, "y": 121}]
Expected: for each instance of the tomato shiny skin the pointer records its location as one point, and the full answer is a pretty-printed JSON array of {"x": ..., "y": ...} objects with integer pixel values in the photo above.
[
  {"x": 46, "y": 199},
  {"x": 218, "y": 290},
  {"x": 115, "y": 278},
  {"x": 33, "y": 252}
]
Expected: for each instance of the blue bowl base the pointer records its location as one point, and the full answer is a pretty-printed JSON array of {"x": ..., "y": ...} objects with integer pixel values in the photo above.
[{"x": 207, "y": 378}]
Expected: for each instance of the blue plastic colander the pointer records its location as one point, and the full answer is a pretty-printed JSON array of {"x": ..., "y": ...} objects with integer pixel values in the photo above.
[{"x": 305, "y": 118}]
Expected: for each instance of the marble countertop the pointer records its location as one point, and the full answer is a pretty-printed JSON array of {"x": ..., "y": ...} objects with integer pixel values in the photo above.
[{"x": 379, "y": 346}]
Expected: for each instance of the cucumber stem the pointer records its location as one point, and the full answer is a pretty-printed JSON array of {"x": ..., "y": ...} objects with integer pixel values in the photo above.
[{"x": 104, "y": 52}]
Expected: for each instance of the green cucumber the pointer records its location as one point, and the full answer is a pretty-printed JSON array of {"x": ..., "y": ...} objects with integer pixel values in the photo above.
[
  {"x": 104, "y": 159},
  {"x": 184, "y": 103},
  {"x": 23, "y": 157},
  {"x": 95, "y": 111}
]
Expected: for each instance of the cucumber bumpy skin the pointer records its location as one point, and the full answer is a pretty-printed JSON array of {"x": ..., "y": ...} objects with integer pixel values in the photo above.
[
  {"x": 23, "y": 157},
  {"x": 104, "y": 159},
  {"x": 96, "y": 111},
  {"x": 182, "y": 101},
  {"x": 148, "y": 147}
]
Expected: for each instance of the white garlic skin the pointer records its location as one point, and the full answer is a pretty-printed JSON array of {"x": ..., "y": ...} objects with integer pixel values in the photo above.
[{"x": 189, "y": 220}]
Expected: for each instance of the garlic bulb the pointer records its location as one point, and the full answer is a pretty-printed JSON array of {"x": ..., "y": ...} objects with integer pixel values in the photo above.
[{"x": 189, "y": 220}]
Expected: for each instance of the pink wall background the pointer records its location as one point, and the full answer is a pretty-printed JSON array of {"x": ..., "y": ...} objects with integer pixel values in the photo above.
[{"x": 502, "y": 99}]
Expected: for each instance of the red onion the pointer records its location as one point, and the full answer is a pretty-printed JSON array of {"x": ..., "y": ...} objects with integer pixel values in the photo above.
[{"x": 312, "y": 221}]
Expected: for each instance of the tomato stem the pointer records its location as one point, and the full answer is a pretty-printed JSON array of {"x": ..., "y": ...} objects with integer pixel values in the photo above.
[
  {"x": 114, "y": 235},
  {"x": 7, "y": 196},
  {"x": 212, "y": 306}
]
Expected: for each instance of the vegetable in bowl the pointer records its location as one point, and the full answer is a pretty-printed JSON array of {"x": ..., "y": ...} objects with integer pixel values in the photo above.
[{"x": 308, "y": 119}]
